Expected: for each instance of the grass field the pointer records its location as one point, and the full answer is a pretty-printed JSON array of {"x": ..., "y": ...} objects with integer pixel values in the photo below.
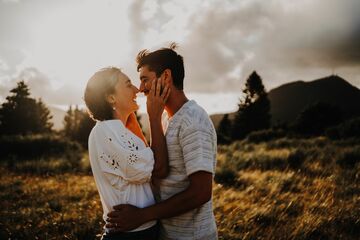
[{"x": 282, "y": 189}]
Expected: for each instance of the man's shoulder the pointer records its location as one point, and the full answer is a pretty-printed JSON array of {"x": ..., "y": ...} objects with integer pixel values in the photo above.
[
  {"x": 196, "y": 116},
  {"x": 193, "y": 118}
]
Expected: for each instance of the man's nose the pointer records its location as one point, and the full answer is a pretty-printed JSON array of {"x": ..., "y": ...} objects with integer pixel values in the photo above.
[{"x": 142, "y": 87}]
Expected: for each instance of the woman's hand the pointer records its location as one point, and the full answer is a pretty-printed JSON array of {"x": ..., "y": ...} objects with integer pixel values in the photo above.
[{"x": 156, "y": 99}]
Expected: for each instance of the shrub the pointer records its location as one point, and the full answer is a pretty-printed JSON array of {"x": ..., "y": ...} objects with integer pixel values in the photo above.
[
  {"x": 349, "y": 158},
  {"x": 265, "y": 135},
  {"x": 316, "y": 118},
  {"x": 226, "y": 176},
  {"x": 37, "y": 146},
  {"x": 348, "y": 129},
  {"x": 296, "y": 159}
]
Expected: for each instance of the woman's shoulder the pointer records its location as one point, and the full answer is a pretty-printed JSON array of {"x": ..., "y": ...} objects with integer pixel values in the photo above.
[
  {"x": 110, "y": 126},
  {"x": 115, "y": 130},
  {"x": 106, "y": 128}
]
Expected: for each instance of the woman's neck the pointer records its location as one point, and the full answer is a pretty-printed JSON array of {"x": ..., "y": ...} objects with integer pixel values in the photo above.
[{"x": 122, "y": 116}]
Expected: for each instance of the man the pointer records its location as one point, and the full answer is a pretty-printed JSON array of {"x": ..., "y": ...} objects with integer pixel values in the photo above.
[{"x": 185, "y": 209}]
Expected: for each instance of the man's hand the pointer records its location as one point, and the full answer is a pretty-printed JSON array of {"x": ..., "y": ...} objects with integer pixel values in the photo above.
[
  {"x": 125, "y": 217},
  {"x": 156, "y": 99}
]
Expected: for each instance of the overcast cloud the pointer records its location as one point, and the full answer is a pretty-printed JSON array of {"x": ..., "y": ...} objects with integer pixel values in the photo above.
[{"x": 222, "y": 41}]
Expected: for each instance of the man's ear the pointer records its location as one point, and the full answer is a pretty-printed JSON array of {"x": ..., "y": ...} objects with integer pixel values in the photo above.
[{"x": 167, "y": 76}]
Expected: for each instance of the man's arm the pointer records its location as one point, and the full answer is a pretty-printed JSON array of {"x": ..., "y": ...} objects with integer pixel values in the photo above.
[
  {"x": 199, "y": 191},
  {"x": 155, "y": 106},
  {"x": 159, "y": 148}
]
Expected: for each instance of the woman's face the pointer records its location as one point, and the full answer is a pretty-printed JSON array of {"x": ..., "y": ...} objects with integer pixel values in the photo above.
[{"x": 124, "y": 96}]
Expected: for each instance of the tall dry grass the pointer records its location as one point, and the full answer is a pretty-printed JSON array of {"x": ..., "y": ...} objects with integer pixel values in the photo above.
[
  {"x": 281, "y": 189},
  {"x": 289, "y": 189}
]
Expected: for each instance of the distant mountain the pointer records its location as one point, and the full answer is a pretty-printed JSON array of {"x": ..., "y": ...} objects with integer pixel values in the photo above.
[{"x": 288, "y": 100}]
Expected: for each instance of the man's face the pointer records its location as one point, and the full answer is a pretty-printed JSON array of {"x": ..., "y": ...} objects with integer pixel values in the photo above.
[{"x": 146, "y": 78}]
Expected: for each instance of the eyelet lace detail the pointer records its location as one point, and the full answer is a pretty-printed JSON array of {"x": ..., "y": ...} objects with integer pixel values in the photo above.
[
  {"x": 132, "y": 158},
  {"x": 128, "y": 143},
  {"x": 112, "y": 160}
]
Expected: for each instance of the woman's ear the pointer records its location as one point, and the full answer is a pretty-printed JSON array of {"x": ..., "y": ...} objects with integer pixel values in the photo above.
[{"x": 110, "y": 98}]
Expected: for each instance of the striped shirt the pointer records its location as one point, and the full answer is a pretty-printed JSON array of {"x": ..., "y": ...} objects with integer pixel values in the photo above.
[{"x": 191, "y": 142}]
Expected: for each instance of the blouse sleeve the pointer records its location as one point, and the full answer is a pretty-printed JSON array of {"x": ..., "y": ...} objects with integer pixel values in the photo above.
[{"x": 121, "y": 160}]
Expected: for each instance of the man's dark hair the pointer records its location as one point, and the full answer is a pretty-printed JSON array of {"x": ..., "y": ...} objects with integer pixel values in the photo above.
[{"x": 162, "y": 59}]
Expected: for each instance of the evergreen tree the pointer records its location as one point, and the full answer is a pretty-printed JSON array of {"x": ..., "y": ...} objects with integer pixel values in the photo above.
[
  {"x": 44, "y": 116},
  {"x": 254, "y": 109},
  {"x": 78, "y": 125},
  {"x": 21, "y": 114},
  {"x": 68, "y": 123},
  {"x": 224, "y": 130}
]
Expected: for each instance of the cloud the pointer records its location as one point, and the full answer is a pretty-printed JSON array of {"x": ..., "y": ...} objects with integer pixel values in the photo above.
[
  {"x": 284, "y": 40},
  {"x": 41, "y": 86},
  {"x": 3, "y": 65},
  {"x": 138, "y": 25},
  {"x": 222, "y": 41},
  {"x": 10, "y": 1},
  {"x": 310, "y": 37}
]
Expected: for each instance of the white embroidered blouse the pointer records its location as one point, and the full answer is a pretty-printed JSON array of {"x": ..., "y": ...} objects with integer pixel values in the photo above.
[{"x": 122, "y": 165}]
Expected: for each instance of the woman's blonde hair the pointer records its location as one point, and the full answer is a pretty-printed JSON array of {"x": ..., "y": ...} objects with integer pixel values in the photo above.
[{"x": 99, "y": 86}]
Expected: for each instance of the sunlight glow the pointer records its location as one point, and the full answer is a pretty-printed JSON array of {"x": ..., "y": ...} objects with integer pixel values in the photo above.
[{"x": 71, "y": 42}]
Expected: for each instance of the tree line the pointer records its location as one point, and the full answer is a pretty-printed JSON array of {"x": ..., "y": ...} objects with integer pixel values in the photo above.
[
  {"x": 253, "y": 119},
  {"x": 21, "y": 114}
]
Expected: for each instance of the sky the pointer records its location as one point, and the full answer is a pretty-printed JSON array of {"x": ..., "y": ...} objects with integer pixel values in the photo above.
[{"x": 56, "y": 45}]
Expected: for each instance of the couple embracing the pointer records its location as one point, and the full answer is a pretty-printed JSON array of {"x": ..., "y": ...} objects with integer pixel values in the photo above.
[{"x": 157, "y": 191}]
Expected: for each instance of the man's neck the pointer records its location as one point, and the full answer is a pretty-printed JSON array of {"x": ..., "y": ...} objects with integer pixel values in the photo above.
[{"x": 175, "y": 101}]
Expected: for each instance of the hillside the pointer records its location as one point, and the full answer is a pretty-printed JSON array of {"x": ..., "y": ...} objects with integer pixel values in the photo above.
[{"x": 288, "y": 100}]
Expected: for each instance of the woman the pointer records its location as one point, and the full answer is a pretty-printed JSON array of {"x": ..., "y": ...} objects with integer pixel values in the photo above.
[{"x": 121, "y": 161}]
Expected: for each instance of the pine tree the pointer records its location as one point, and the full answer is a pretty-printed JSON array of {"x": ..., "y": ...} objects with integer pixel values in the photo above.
[
  {"x": 68, "y": 123},
  {"x": 254, "y": 110},
  {"x": 224, "y": 130},
  {"x": 21, "y": 114},
  {"x": 77, "y": 125},
  {"x": 44, "y": 124}
]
